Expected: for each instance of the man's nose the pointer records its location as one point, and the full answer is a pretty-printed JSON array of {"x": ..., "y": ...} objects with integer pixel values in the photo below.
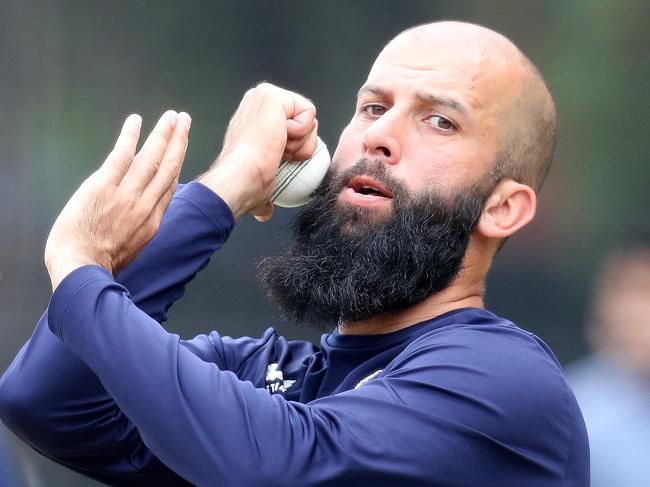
[{"x": 381, "y": 140}]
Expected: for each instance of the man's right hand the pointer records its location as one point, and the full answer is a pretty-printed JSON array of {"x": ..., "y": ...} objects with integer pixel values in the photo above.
[{"x": 270, "y": 125}]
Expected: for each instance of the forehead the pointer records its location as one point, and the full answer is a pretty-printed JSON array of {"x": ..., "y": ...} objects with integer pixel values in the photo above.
[
  {"x": 434, "y": 50},
  {"x": 478, "y": 71}
]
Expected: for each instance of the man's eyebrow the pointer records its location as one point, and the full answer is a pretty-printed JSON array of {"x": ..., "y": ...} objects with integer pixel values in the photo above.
[
  {"x": 370, "y": 89},
  {"x": 373, "y": 90},
  {"x": 444, "y": 101},
  {"x": 429, "y": 98}
]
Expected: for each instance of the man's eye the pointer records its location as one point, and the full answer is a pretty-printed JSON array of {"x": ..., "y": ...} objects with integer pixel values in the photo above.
[
  {"x": 374, "y": 110},
  {"x": 442, "y": 123}
]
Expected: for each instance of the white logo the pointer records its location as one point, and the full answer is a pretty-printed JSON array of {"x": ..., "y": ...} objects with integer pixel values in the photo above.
[
  {"x": 371, "y": 376},
  {"x": 275, "y": 380}
]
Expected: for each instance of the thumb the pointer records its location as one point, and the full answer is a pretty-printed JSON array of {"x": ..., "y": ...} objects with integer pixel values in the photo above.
[{"x": 263, "y": 213}]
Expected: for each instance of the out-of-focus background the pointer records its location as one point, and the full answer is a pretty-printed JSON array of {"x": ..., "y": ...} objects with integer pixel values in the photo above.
[{"x": 70, "y": 72}]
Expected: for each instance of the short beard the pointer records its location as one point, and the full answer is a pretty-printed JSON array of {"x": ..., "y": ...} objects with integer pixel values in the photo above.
[{"x": 345, "y": 265}]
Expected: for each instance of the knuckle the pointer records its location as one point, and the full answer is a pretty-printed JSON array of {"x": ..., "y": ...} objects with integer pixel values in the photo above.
[
  {"x": 152, "y": 227},
  {"x": 183, "y": 139},
  {"x": 151, "y": 166},
  {"x": 122, "y": 158},
  {"x": 122, "y": 154},
  {"x": 127, "y": 200},
  {"x": 144, "y": 216},
  {"x": 131, "y": 203},
  {"x": 265, "y": 89},
  {"x": 255, "y": 91},
  {"x": 249, "y": 93},
  {"x": 264, "y": 86},
  {"x": 173, "y": 170}
]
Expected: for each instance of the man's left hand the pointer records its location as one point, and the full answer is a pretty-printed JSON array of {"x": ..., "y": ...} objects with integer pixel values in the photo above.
[{"x": 118, "y": 209}]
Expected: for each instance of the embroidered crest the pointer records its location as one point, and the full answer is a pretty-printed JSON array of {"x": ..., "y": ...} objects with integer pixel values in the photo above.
[{"x": 275, "y": 380}]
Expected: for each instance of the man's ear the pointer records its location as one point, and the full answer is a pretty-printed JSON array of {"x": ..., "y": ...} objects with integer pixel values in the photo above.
[{"x": 510, "y": 206}]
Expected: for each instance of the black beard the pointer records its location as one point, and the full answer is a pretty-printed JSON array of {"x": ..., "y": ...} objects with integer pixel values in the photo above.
[{"x": 347, "y": 263}]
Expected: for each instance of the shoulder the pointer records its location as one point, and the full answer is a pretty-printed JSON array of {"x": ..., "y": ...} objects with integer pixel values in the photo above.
[
  {"x": 497, "y": 345},
  {"x": 496, "y": 377}
]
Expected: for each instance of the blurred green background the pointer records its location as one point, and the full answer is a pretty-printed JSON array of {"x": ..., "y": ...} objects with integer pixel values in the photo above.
[{"x": 71, "y": 71}]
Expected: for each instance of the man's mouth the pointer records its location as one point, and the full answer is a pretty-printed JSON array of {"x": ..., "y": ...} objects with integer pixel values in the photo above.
[
  {"x": 368, "y": 186},
  {"x": 365, "y": 191}
]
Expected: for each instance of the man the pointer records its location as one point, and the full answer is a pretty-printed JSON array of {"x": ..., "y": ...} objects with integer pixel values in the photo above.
[
  {"x": 452, "y": 134},
  {"x": 612, "y": 385}
]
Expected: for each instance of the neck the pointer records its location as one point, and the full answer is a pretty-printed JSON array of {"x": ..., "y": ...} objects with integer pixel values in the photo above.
[{"x": 465, "y": 291}]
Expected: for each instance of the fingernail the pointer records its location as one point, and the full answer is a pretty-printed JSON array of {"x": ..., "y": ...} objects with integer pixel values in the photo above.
[
  {"x": 173, "y": 118},
  {"x": 134, "y": 118},
  {"x": 186, "y": 120}
]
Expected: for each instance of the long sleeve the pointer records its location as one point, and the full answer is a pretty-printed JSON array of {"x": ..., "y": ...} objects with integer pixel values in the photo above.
[
  {"x": 196, "y": 224},
  {"x": 441, "y": 414},
  {"x": 54, "y": 402},
  {"x": 204, "y": 423}
]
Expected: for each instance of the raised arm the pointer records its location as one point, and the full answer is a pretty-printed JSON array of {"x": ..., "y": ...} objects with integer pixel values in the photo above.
[
  {"x": 196, "y": 224},
  {"x": 205, "y": 423},
  {"x": 48, "y": 396},
  {"x": 53, "y": 401}
]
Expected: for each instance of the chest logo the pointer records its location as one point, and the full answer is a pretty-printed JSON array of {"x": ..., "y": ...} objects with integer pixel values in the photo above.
[{"x": 275, "y": 380}]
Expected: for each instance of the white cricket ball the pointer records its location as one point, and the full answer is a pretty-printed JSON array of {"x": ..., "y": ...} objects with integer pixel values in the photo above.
[{"x": 296, "y": 181}]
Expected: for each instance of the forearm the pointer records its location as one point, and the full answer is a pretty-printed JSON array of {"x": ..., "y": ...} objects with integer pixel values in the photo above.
[
  {"x": 53, "y": 401},
  {"x": 118, "y": 209},
  {"x": 196, "y": 224},
  {"x": 170, "y": 394}
]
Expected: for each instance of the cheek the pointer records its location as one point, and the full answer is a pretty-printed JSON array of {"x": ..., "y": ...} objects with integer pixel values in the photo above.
[
  {"x": 451, "y": 164},
  {"x": 426, "y": 167},
  {"x": 348, "y": 149}
]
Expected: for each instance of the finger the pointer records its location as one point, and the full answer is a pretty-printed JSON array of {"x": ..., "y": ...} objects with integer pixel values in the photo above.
[
  {"x": 303, "y": 149},
  {"x": 161, "y": 206},
  {"x": 301, "y": 123},
  {"x": 119, "y": 160},
  {"x": 163, "y": 203},
  {"x": 171, "y": 163},
  {"x": 263, "y": 213},
  {"x": 146, "y": 162}
]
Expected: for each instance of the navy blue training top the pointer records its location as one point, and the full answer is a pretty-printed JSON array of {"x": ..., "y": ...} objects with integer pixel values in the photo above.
[{"x": 464, "y": 399}]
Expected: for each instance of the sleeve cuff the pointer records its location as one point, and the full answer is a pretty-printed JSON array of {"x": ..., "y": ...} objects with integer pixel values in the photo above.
[
  {"x": 210, "y": 204},
  {"x": 69, "y": 287}
]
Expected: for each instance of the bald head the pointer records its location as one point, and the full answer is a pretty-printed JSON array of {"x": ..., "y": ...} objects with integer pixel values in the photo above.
[{"x": 504, "y": 82}]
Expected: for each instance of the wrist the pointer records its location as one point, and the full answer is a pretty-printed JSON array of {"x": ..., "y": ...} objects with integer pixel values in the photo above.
[
  {"x": 225, "y": 181},
  {"x": 66, "y": 261},
  {"x": 216, "y": 184}
]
